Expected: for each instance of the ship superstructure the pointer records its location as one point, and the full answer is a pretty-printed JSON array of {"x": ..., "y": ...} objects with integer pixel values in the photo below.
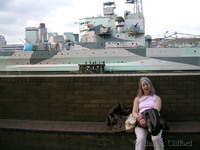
[
  {"x": 112, "y": 31},
  {"x": 117, "y": 42}
]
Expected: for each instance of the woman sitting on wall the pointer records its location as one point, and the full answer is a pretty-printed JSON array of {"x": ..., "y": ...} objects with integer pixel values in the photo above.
[{"x": 146, "y": 99}]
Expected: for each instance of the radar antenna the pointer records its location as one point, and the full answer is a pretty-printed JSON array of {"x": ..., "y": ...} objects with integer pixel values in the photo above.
[{"x": 138, "y": 8}]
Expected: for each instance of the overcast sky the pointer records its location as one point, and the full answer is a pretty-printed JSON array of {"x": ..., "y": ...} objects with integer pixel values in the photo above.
[{"x": 60, "y": 15}]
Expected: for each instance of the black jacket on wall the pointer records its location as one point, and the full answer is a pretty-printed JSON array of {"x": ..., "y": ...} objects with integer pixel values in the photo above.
[{"x": 117, "y": 116}]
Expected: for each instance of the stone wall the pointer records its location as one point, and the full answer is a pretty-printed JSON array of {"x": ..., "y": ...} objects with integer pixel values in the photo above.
[{"x": 89, "y": 97}]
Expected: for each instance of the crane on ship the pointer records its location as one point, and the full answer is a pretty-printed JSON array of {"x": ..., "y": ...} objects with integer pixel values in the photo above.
[
  {"x": 177, "y": 39},
  {"x": 177, "y": 35}
]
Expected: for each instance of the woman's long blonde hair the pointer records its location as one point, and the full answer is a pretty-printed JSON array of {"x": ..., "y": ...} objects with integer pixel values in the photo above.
[{"x": 140, "y": 91}]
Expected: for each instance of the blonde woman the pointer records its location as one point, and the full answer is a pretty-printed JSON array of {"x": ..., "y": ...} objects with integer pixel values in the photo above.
[{"x": 146, "y": 99}]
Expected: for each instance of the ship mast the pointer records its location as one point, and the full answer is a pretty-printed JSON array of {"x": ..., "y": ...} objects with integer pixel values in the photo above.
[{"x": 138, "y": 8}]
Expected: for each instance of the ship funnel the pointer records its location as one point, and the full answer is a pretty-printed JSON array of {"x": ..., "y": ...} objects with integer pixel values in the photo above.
[{"x": 119, "y": 23}]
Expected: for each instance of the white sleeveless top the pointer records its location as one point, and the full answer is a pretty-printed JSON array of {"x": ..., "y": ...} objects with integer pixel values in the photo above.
[{"x": 146, "y": 102}]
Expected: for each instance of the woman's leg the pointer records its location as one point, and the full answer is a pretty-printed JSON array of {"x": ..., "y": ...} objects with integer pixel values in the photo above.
[
  {"x": 141, "y": 135},
  {"x": 158, "y": 141}
]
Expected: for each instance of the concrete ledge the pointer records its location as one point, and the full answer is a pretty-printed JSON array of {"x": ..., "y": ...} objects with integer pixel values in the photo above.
[
  {"x": 85, "y": 127},
  {"x": 184, "y": 127},
  {"x": 136, "y": 74},
  {"x": 55, "y": 126}
]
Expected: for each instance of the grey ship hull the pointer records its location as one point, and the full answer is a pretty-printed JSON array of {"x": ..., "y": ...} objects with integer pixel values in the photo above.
[{"x": 136, "y": 59}]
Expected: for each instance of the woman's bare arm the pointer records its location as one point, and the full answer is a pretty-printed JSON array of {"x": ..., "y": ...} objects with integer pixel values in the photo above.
[
  {"x": 158, "y": 103},
  {"x": 135, "y": 114}
]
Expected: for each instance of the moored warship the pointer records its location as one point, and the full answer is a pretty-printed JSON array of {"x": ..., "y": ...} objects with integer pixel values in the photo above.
[{"x": 117, "y": 42}]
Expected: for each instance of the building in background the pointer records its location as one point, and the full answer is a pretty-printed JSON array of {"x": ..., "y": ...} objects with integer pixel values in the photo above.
[
  {"x": 34, "y": 35},
  {"x": 4, "y": 46},
  {"x": 52, "y": 34},
  {"x": 42, "y": 33},
  {"x": 2, "y": 40},
  {"x": 68, "y": 36},
  {"x": 76, "y": 37},
  {"x": 31, "y": 35}
]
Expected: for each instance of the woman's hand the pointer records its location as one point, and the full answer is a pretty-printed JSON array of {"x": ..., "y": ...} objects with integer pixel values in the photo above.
[{"x": 142, "y": 123}]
